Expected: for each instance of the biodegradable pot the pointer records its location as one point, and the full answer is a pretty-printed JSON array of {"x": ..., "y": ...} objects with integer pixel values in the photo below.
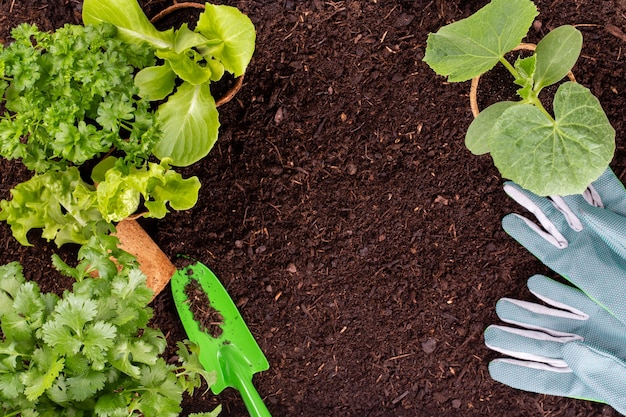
[
  {"x": 153, "y": 262},
  {"x": 474, "y": 86}
]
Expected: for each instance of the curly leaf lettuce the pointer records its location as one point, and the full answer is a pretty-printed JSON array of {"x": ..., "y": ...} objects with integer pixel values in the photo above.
[
  {"x": 59, "y": 203},
  {"x": 119, "y": 195}
]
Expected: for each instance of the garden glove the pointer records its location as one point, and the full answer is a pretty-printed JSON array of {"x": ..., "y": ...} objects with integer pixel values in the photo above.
[
  {"x": 582, "y": 237},
  {"x": 573, "y": 348}
]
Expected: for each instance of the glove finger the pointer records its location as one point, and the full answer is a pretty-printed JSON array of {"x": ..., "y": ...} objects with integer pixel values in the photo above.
[
  {"x": 549, "y": 216},
  {"x": 609, "y": 226},
  {"x": 540, "y": 378},
  {"x": 538, "y": 317},
  {"x": 564, "y": 297},
  {"x": 610, "y": 190},
  {"x": 602, "y": 372},
  {"x": 539, "y": 241},
  {"x": 529, "y": 345}
]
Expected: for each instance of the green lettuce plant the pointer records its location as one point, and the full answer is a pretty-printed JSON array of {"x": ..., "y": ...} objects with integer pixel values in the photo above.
[
  {"x": 74, "y": 117},
  {"x": 89, "y": 352},
  {"x": 559, "y": 152},
  {"x": 188, "y": 62}
]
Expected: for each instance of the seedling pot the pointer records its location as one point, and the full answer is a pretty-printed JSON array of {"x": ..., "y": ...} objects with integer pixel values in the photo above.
[{"x": 474, "y": 85}]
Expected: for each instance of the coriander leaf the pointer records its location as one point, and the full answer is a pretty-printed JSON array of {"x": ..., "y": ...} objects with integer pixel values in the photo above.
[
  {"x": 85, "y": 386},
  {"x": 98, "y": 338},
  {"x": 42, "y": 373},
  {"x": 189, "y": 122},
  {"x": 215, "y": 413},
  {"x": 554, "y": 156},
  {"x": 470, "y": 47},
  {"x": 110, "y": 404},
  {"x": 161, "y": 395},
  {"x": 556, "y": 54}
]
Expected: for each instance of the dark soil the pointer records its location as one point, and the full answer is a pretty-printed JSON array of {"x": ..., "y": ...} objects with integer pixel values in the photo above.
[
  {"x": 359, "y": 238},
  {"x": 210, "y": 320}
]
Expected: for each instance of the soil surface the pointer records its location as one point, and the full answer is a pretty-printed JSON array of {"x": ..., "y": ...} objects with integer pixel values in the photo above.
[{"x": 359, "y": 238}]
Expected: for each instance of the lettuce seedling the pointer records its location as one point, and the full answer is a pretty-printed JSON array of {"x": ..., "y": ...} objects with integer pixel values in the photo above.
[
  {"x": 89, "y": 352},
  {"x": 223, "y": 41},
  {"x": 547, "y": 153}
]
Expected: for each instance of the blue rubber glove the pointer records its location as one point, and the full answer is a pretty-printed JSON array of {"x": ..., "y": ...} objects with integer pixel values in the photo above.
[
  {"x": 582, "y": 237},
  {"x": 572, "y": 348}
]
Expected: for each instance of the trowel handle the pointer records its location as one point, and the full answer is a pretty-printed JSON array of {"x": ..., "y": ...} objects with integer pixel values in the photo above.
[
  {"x": 252, "y": 399},
  {"x": 237, "y": 371}
]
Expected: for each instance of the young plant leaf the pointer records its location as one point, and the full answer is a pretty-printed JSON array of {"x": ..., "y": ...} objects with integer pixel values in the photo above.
[
  {"x": 186, "y": 66},
  {"x": 525, "y": 68},
  {"x": 472, "y": 46},
  {"x": 132, "y": 23},
  {"x": 479, "y": 131},
  {"x": 189, "y": 121},
  {"x": 155, "y": 83},
  {"x": 231, "y": 35},
  {"x": 556, "y": 54},
  {"x": 554, "y": 156}
]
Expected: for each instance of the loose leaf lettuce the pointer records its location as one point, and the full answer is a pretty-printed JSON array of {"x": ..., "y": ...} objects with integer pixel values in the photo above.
[
  {"x": 223, "y": 40},
  {"x": 189, "y": 121},
  {"x": 554, "y": 156},
  {"x": 231, "y": 36},
  {"x": 131, "y": 21},
  {"x": 474, "y": 45}
]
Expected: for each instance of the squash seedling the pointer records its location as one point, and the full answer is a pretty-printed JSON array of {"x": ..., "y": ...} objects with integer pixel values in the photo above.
[{"x": 549, "y": 153}]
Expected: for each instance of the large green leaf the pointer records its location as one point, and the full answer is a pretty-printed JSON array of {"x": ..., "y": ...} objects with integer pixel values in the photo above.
[
  {"x": 231, "y": 35},
  {"x": 156, "y": 83},
  {"x": 472, "y": 46},
  {"x": 556, "y": 54},
  {"x": 554, "y": 156},
  {"x": 132, "y": 23},
  {"x": 189, "y": 122},
  {"x": 479, "y": 131}
]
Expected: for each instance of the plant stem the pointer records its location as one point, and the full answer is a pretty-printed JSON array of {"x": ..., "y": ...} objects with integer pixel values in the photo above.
[
  {"x": 534, "y": 100},
  {"x": 510, "y": 67}
]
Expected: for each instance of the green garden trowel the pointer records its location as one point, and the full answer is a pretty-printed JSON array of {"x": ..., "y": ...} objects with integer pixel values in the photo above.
[{"x": 231, "y": 351}]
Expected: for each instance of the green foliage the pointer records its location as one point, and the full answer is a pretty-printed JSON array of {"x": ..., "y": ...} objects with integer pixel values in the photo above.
[
  {"x": 472, "y": 46},
  {"x": 223, "y": 40},
  {"x": 70, "y": 97},
  {"x": 88, "y": 352},
  {"x": 547, "y": 153}
]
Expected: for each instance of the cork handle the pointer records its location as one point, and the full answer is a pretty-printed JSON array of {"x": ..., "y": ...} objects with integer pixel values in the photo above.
[{"x": 152, "y": 261}]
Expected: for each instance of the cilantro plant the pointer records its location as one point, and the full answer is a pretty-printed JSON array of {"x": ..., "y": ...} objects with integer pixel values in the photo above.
[
  {"x": 89, "y": 352},
  {"x": 222, "y": 41},
  {"x": 558, "y": 152},
  {"x": 73, "y": 116}
]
